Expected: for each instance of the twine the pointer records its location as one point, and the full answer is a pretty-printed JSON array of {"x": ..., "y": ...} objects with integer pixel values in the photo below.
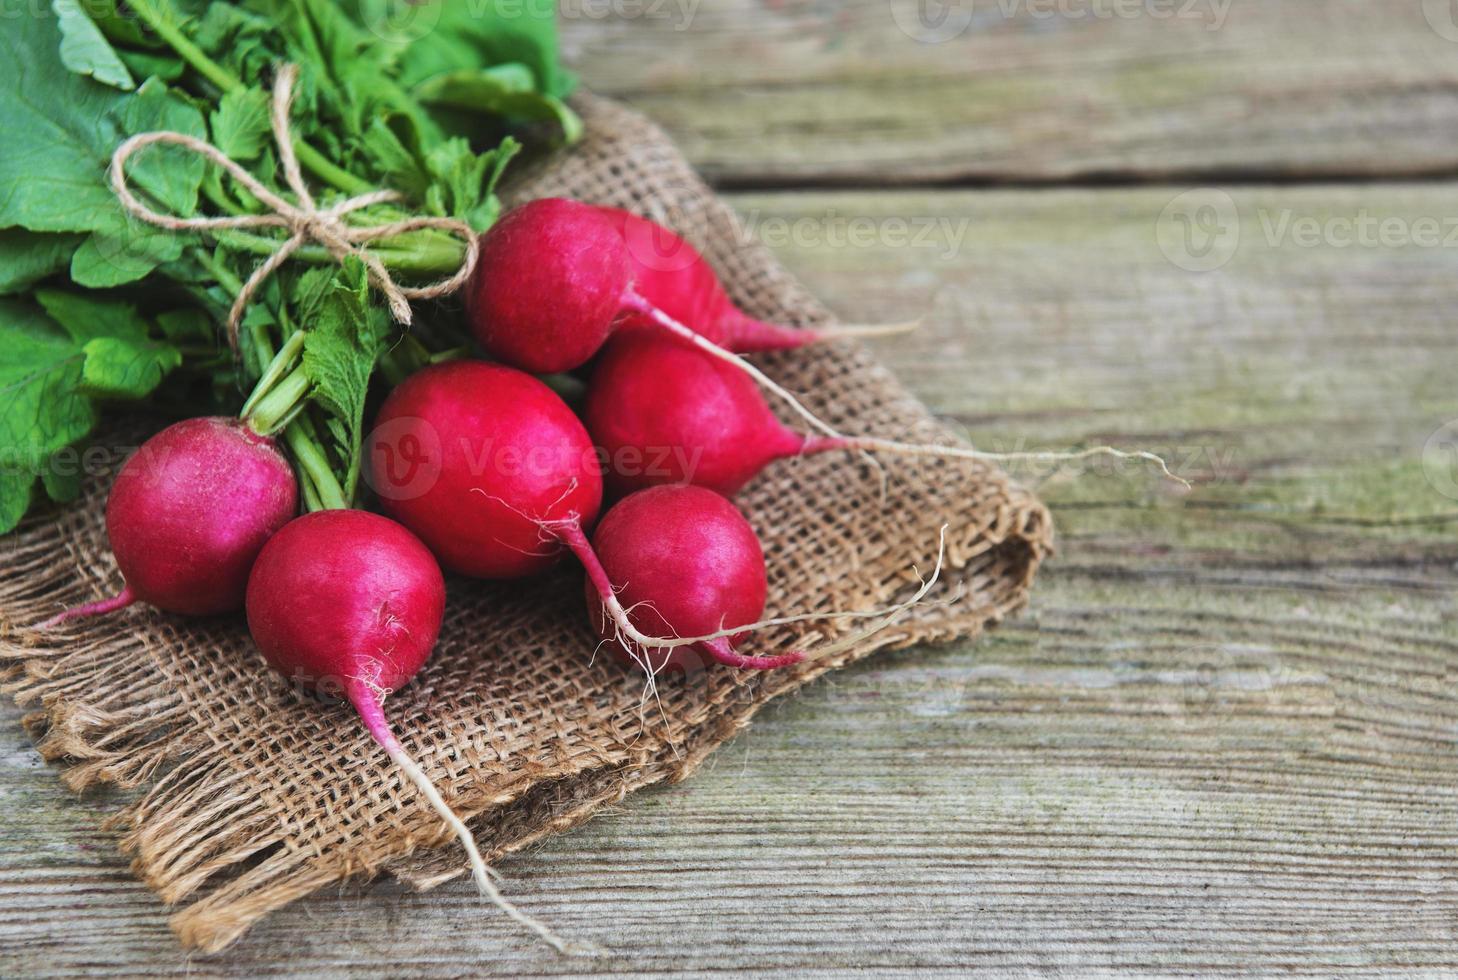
[{"x": 305, "y": 221}]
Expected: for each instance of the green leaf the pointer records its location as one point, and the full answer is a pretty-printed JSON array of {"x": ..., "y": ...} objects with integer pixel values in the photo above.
[
  {"x": 41, "y": 410},
  {"x": 123, "y": 248},
  {"x": 86, "y": 317},
  {"x": 27, "y": 257},
  {"x": 399, "y": 167},
  {"x": 85, "y": 50},
  {"x": 118, "y": 368},
  {"x": 451, "y": 35},
  {"x": 115, "y": 258},
  {"x": 463, "y": 181},
  {"x": 120, "y": 29},
  {"x": 340, "y": 351},
  {"x": 188, "y": 326},
  {"x": 171, "y": 175},
  {"x": 498, "y": 94},
  {"x": 240, "y": 124},
  {"x": 59, "y": 133},
  {"x": 147, "y": 64},
  {"x": 62, "y": 479},
  {"x": 57, "y": 359},
  {"x": 17, "y": 487},
  {"x": 237, "y": 39},
  {"x": 61, "y": 128}
]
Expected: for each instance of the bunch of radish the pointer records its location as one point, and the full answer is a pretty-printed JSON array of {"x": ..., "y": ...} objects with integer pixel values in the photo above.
[{"x": 483, "y": 469}]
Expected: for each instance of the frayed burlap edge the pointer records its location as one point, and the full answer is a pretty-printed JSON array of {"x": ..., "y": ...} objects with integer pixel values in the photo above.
[{"x": 111, "y": 708}]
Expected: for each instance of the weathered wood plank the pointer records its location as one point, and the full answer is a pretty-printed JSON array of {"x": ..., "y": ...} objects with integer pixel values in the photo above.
[
  {"x": 820, "y": 91},
  {"x": 1220, "y": 742}
]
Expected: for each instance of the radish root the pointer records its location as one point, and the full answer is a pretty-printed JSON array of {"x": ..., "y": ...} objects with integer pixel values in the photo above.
[
  {"x": 121, "y": 600},
  {"x": 851, "y": 331},
  {"x": 867, "y": 444},
  {"x": 367, "y": 703}
]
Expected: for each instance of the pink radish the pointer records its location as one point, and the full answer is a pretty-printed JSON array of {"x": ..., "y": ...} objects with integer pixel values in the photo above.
[
  {"x": 554, "y": 279},
  {"x": 498, "y": 478},
  {"x": 188, "y": 514},
  {"x": 691, "y": 419},
  {"x": 671, "y": 274},
  {"x": 477, "y": 459},
  {"x": 684, "y": 562},
  {"x": 347, "y": 601}
]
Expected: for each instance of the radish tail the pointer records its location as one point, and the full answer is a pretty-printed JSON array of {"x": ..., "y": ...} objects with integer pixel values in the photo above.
[
  {"x": 723, "y": 651},
  {"x": 632, "y": 301},
  {"x": 815, "y": 444},
  {"x": 121, "y": 600},
  {"x": 746, "y": 335},
  {"x": 750, "y": 336},
  {"x": 372, "y": 713},
  {"x": 847, "y": 331}
]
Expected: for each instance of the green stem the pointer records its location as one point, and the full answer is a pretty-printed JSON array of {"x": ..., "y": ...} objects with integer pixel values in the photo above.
[
  {"x": 262, "y": 345},
  {"x": 307, "y": 491},
  {"x": 312, "y": 461},
  {"x": 274, "y": 407},
  {"x": 221, "y": 200},
  {"x": 453, "y": 354},
  {"x": 220, "y": 272},
  {"x": 394, "y": 367},
  {"x": 275, "y": 372},
  {"x": 179, "y": 42},
  {"x": 319, "y": 165},
  {"x": 439, "y": 257}
]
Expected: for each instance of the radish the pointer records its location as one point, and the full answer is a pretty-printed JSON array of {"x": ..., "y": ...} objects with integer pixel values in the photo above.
[
  {"x": 347, "y": 601},
  {"x": 478, "y": 459},
  {"x": 188, "y": 514},
  {"x": 554, "y": 279},
  {"x": 671, "y": 274},
  {"x": 690, "y": 419},
  {"x": 495, "y": 474},
  {"x": 684, "y": 561}
]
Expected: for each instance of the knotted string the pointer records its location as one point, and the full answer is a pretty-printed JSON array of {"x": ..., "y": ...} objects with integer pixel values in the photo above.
[{"x": 305, "y": 220}]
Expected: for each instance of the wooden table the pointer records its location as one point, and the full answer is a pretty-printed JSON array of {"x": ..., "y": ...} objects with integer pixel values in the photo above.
[{"x": 1222, "y": 739}]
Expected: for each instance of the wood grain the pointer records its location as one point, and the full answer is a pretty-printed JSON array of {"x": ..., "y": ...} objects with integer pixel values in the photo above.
[
  {"x": 867, "y": 91},
  {"x": 1220, "y": 743}
]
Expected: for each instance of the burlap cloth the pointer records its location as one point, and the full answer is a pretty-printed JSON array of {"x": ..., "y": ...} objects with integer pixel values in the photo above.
[{"x": 256, "y": 796}]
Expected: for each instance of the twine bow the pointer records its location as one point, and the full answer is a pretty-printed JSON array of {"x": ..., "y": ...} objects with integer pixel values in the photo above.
[{"x": 305, "y": 221}]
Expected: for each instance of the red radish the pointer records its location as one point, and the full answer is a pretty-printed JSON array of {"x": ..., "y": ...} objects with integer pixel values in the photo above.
[
  {"x": 347, "y": 601},
  {"x": 554, "y": 279},
  {"x": 684, "y": 562},
  {"x": 496, "y": 475},
  {"x": 671, "y": 274},
  {"x": 188, "y": 514},
  {"x": 663, "y": 413},
  {"x": 477, "y": 459},
  {"x": 553, "y": 276}
]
